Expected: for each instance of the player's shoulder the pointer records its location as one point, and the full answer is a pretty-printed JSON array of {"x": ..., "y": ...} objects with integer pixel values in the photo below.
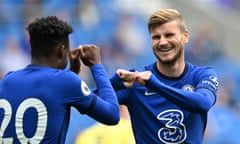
[
  {"x": 199, "y": 67},
  {"x": 10, "y": 75},
  {"x": 65, "y": 73},
  {"x": 149, "y": 67},
  {"x": 201, "y": 70},
  {"x": 67, "y": 77},
  {"x": 54, "y": 75}
]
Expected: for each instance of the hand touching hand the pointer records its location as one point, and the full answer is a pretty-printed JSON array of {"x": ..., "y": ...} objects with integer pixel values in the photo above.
[
  {"x": 143, "y": 77},
  {"x": 75, "y": 60},
  {"x": 128, "y": 78},
  {"x": 90, "y": 54}
]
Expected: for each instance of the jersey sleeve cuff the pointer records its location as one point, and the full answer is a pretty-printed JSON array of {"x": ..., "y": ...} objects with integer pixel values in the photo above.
[{"x": 96, "y": 66}]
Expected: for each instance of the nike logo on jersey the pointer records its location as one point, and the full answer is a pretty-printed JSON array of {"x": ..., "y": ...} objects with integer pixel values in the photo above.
[{"x": 149, "y": 93}]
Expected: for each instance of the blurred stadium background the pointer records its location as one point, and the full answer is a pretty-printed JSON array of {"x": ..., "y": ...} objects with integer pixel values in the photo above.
[{"x": 119, "y": 28}]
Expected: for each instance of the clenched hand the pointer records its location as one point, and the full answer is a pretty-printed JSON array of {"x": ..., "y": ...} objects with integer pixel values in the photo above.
[{"x": 90, "y": 54}]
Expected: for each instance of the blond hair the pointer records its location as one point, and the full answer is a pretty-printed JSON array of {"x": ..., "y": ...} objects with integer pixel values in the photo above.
[{"x": 166, "y": 15}]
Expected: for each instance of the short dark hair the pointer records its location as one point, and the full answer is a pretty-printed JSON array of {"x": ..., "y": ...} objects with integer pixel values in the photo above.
[{"x": 46, "y": 33}]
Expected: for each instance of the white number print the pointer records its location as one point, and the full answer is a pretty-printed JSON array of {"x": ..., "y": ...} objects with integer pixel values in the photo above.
[
  {"x": 174, "y": 130},
  {"x": 23, "y": 107},
  {"x": 7, "y": 117}
]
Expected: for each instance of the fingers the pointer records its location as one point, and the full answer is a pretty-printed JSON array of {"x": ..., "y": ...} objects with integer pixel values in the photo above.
[
  {"x": 75, "y": 61},
  {"x": 143, "y": 77},
  {"x": 90, "y": 54},
  {"x": 122, "y": 73},
  {"x": 86, "y": 49},
  {"x": 75, "y": 53},
  {"x": 83, "y": 50},
  {"x": 128, "y": 76}
]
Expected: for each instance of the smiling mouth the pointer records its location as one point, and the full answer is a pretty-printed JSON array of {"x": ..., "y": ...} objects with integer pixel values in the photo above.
[{"x": 164, "y": 49}]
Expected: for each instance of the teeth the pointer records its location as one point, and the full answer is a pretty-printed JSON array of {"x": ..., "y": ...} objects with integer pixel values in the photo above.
[{"x": 164, "y": 49}]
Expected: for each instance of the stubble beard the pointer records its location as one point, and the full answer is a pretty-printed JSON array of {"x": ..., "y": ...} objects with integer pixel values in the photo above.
[{"x": 173, "y": 60}]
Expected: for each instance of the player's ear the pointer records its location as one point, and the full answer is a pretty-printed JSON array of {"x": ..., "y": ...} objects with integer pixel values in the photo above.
[
  {"x": 61, "y": 52},
  {"x": 61, "y": 56},
  {"x": 186, "y": 36}
]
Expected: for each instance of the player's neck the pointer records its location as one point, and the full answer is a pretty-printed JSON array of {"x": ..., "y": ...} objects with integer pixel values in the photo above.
[
  {"x": 43, "y": 62},
  {"x": 171, "y": 70}
]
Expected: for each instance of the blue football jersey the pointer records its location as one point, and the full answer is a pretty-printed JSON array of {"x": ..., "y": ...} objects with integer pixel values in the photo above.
[
  {"x": 170, "y": 110},
  {"x": 35, "y": 103}
]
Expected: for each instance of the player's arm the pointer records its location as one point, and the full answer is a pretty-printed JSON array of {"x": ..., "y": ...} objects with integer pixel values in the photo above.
[
  {"x": 201, "y": 99},
  {"x": 104, "y": 107}
]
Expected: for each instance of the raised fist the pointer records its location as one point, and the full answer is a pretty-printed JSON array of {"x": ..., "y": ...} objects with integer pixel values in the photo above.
[
  {"x": 90, "y": 54},
  {"x": 75, "y": 61},
  {"x": 128, "y": 78}
]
